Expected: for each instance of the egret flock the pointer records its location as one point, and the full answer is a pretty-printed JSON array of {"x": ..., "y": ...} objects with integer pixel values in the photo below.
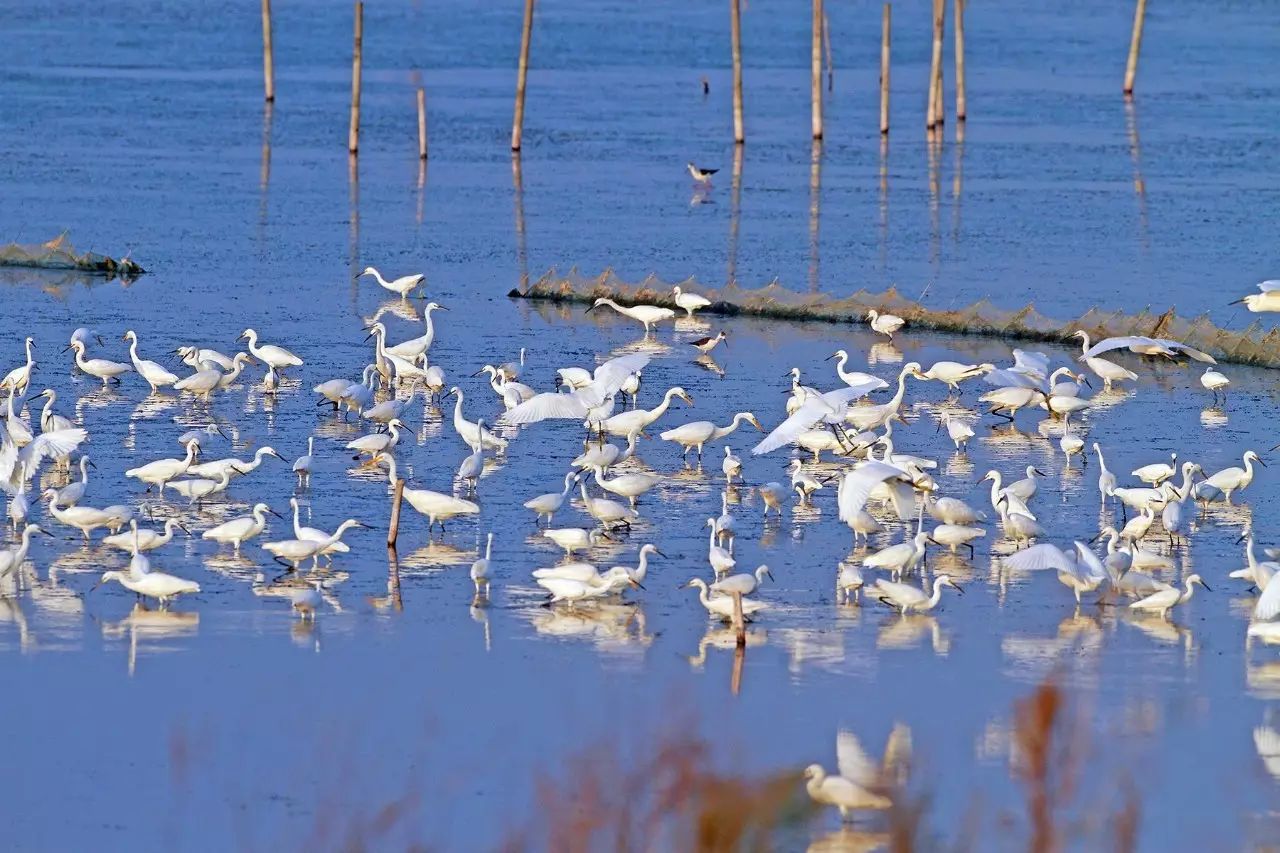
[{"x": 878, "y": 487}]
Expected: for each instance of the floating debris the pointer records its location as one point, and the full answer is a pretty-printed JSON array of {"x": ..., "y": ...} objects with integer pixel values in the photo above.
[
  {"x": 1254, "y": 345},
  {"x": 59, "y": 254}
]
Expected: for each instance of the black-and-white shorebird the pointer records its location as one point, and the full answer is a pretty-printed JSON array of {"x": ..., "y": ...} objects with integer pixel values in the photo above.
[
  {"x": 702, "y": 176},
  {"x": 706, "y": 345}
]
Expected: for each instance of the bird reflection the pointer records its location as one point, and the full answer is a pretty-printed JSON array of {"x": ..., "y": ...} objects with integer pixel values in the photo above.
[
  {"x": 725, "y": 639},
  {"x": 144, "y": 625},
  {"x": 911, "y": 630},
  {"x": 848, "y": 840},
  {"x": 884, "y": 352},
  {"x": 611, "y": 628}
]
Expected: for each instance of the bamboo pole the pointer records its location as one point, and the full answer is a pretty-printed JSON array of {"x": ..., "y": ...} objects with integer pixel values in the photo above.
[
  {"x": 353, "y": 131},
  {"x": 931, "y": 112},
  {"x": 958, "y": 26},
  {"x": 884, "y": 68},
  {"x": 268, "y": 57},
  {"x": 393, "y": 531},
  {"x": 1135, "y": 42},
  {"x": 826, "y": 47},
  {"x": 526, "y": 34},
  {"x": 815, "y": 81},
  {"x": 735, "y": 34},
  {"x": 422, "y": 124},
  {"x": 940, "y": 30}
]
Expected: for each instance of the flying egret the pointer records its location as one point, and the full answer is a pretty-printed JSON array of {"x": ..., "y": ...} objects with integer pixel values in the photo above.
[
  {"x": 648, "y": 315},
  {"x": 1147, "y": 346},
  {"x": 1108, "y": 371},
  {"x": 817, "y": 408},
  {"x": 885, "y": 324},
  {"x": 592, "y": 395},
  {"x": 1080, "y": 571},
  {"x": 906, "y": 598},
  {"x": 690, "y": 302},
  {"x": 404, "y": 285},
  {"x": 1267, "y": 299}
]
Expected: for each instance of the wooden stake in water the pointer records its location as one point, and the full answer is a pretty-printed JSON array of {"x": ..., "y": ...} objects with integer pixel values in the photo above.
[
  {"x": 735, "y": 36},
  {"x": 884, "y": 69},
  {"x": 739, "y": 622},
  {"x": 826, "y": 46},
  {"x": 935, "y": 65},
  {"x": 393, "y": 531},
  {"x": 522, "y": 75},
  {"x": 268, "y": 59},
  {"x": 422, "y": 124},
  {"x": 959, "y": 32},
  {"x": 1135, "y": 42},
  {"x": 353, "y": 131},
  {"x": 815, "y": 63},
  {"x": 939, "y": 29}
]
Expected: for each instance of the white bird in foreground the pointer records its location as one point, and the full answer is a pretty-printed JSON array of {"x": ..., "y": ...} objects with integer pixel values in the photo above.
[
  {"x": 648, "y": 315},
  {"x": 156, "y": 374},
  {"x": 404, "y": 285},
  {"x": 861, "y": 785},
  {"x": 690, "y": 302},
  {"x": 1230, "y": 480},
  {"x": 906, "y": 598},
  {"x": 958, "y": 431},
  {"x": 17, "y": 380},
  {"x": 161, "y": 471},
  {"x": 885, "y": 324},
  {"x": 1166, "y": 599},
  {"x": 1268, "y": 299},
  {"x": 72, "y": 493},
  {"x": 1107, "y": 371},
  {"x": 699, "y": 433},
  {"x": 276, "y": 356}
]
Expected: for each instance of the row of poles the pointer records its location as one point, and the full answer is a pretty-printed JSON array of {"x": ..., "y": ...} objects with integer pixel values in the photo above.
[{"x": 935, "y": 111}]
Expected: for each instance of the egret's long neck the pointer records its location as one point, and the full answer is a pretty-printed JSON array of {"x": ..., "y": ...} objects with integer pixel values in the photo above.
[
  {"x": 488, "y": 547},
  {"x": 1248, "y": 550},
  {"x": 1102, "y": 463},
  {"x": 31, "y": 359},
  {"x": 995, "y": 491},
  {"x": 643, "y": 568},
  {"x": 1248, "y": 469},
  {"x": 721, "y": 432},
  {"x": 20, "y": 557},
  {"x": 48, "y": 405},
  {"x": 1186, "y": 596},
  {"x": 661, "y": 408},
  {"x": 902, "y": 391},
  {"x": 712, "y": 543},
  {"x": 297, "y": 523},
  {"x": 1084, "y": 343},
  {"x": 133, "y": 349},
  {"x": 936, "y": 597},
  {"x": 260, "y": 518}
]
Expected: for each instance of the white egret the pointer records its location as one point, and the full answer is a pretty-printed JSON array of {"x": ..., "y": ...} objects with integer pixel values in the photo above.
[
  {"x": 1080, "y": 571},
  {"x": 306, "y": 601},
  {"x": 806, "y": 483},
  {"x": 849, "y": 581},
  {"x": 952, "y": 373},
  {"x": 480, "y": 568},
  {"x": 158, "y": 585},
  {"x": 853, "y": 379},
  {"x": 731, "y": 466},
  {"x": 690, "y": 302},
  {"x": 608, "y": 513},
  {"x": 856, "y": 487},
  {"x": 698, "y": 433},
  {"x": 1147, "y": 346},
  {"x": 1108, "y": 371},
  {"x": 17, "y": 380},
  {"x": 1106, "y": 479},
  {"x": 237, "y": 467},
  {"x": 144, "y": 540},
  {"x": 725, "y": 525},
  {"x": 474, "y": 434},
  {"x": 860, "y": 785},
  {"x": 1157, "y": 473},
  {"x": 161, "y": 471},
  {"x": 774, "y": 495},
  {"x": 196, "y": 490},
  {"x": 952, "y": 511},
  {"x": 237, "y": 367},
  {"x": 1072, "y": 445},
  {"x": 630, "y": 486},
  {"x": 404, "y": 285},
  {"x": 1166, "y": 599},
  {"x": 1230, "y": 480},
  {"x": 194, "y": 357},
  {"x": 276, "y": 356},
  {"x": 742, "y": 584},
  {"x": 885, "y": 324},
  {"x": 416, "y": 349},
  {"x": 901, "y": 558},
  {"x": 303, "y": 465},
  {"x": 828, "y": 408},
  {"x": 721, "y": 560},
  {"x": 721, "y": 606},
  {"x": 606, "y": 455},
  {"x": 1005, "y": 402},
  {"x": 955, "y": 535},
  {"x": 294, "y": 552},
  {"x": 592, "y": 396},
  {"x": 50, "y": 421},
  {"x": 156, "y": 374},
  {"x": 875, "y": 417},
  {"x": 85, "y": 519},
  {"x": 626, "y": 424},
  {"x": 11, "y": 559},
  {"x": 202, "y": 383},
  {"x": 958, "y": 431},
  {"x": 378, "y": 443},
  {"x": 473, "y": 465},
  {"x": 1216, "y": 382},
  {"x": 99, "y": 368},
  {"x": 573, "y": 539},
  {"x": 72, "y": 493},
  {"x": 647, "y": 315},
  {"x": 906, "y": 598},
  {"x": 239, "y": 530},
  {"x": 1267, "y": 299},
  {"x": 549, "y": 503}
]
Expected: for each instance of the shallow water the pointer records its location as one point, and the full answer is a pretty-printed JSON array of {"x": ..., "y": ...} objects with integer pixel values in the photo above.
[{"x": 145, "y": 132}]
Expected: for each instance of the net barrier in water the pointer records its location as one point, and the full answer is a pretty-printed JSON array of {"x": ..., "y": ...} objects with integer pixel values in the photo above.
[
  {"x": 59, "y": 254},
  {"x": 1255, "y": 345}
]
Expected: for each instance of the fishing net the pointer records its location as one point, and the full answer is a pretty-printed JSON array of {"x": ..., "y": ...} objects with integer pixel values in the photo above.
[
  {"x": 1254, "y": 345},
  {"x": 59, "y": 254}
]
